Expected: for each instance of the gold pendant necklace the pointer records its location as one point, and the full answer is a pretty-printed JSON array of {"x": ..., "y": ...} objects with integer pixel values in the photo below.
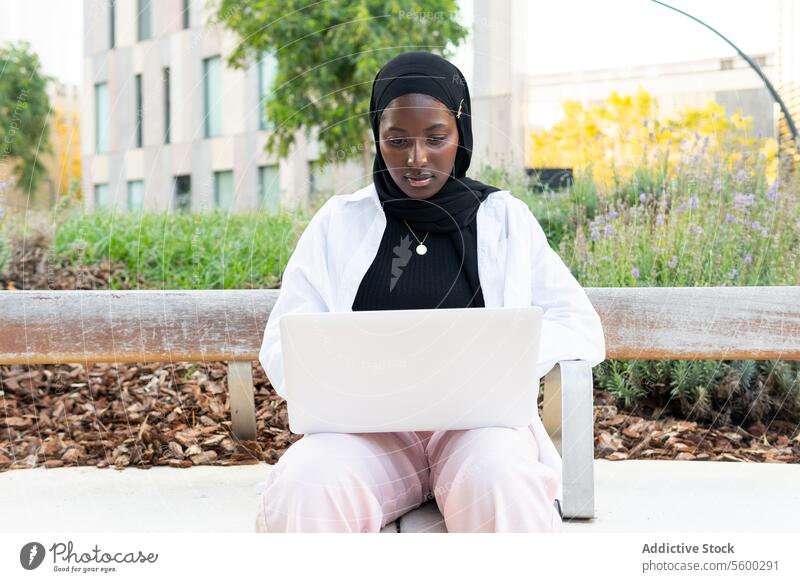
[{"x": 421, "y": 248}]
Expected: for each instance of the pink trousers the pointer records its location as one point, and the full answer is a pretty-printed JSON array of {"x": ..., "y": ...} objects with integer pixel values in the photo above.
[{"x": 483, "y": 480}]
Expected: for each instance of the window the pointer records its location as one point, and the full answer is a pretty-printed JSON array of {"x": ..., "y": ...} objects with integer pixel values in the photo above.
[
  {"x": 139, "y": 109},
  {"x": 143, "y": 18},
  {"x": 186, "y": 8},
  {"x": 726, "y": 64},
  {"x": 312, "y": 179},
  {"x": 320, "y": 179},
  {"x": 269, "y": 187},
  {"x": 102, "y": 200},
  {"x": 101, "y": 117},
  {"x": 223, "y": 190},
  {"x": 112, "y": 17},
  {"x": 136, "y": 195},
  {"x": 167, "y": 112},
  {"x": 212, "y": 108},
  {"x": 183, "y": 193},
  {"x": 267, "y": 69}
]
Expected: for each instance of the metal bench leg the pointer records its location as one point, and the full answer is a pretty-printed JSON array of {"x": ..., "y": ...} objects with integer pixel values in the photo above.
[
  {"x": 242, "y": 400},
  {"x": 568, "y": 417}
]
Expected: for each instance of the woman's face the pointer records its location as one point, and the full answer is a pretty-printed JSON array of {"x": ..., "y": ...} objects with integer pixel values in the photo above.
[{"x": 419, "y": 142}]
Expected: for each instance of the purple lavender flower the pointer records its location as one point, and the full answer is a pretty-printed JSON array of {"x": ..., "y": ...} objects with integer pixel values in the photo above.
[
  {"x": 693, "y": 202},
  {"x": 635, "y": 273},
  {"x": 741, "y": 175},
  {"x": 772, "y": 191},
  {"x": 748, "y": 259},
  {"x": 673, "y": 262},
  {"x": 642, "y": 197},
  {"x": 730, "y": 218},
  {"x": 717, "y": 184},
  {"x": 742, "y": 201},
  {"x": 660, "y": 219},
  {"x": 756, "y": 225},
  {"x": 732, "y": 274},
  {"x": 609, "y": 230},
  {"x": 613, "y": 214}
]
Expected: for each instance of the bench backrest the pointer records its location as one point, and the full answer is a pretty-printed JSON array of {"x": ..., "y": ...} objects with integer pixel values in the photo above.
[
  {"x": 47, "y": 327},
  {"x": 50, "y": 327},
  {"x": 700, "y": 323}
]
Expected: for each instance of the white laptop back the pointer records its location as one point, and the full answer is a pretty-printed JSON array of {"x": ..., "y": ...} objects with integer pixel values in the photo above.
[{"x": 412, "y": 369}]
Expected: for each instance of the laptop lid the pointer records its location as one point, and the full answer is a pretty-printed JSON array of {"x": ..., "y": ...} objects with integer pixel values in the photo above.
[{"x": 411, "y": 369}]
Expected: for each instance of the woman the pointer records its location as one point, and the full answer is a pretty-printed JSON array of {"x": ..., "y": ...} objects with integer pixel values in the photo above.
[{"x": 423, "y": 235}]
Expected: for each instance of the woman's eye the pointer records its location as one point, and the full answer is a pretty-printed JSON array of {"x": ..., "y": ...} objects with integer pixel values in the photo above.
[
  {"x": 437, "y": 139},
  {"x": 396, "y": 141}
]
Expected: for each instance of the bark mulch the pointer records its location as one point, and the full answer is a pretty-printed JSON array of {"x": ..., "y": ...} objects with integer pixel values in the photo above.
[
  {"x": 621, "y": 435},
  {"x": 131, "y": 415},
  {"x": 178, "y": 415}
]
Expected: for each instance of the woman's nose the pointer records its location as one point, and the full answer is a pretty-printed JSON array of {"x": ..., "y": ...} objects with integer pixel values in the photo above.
[{"x": 417, "y": 155}]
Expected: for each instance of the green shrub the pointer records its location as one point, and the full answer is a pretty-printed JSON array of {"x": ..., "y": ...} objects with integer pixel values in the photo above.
[
  {"x": 5, "y": 251},
  {"x": 700, "y": 226},
  {"x": 559, "y": 212}
]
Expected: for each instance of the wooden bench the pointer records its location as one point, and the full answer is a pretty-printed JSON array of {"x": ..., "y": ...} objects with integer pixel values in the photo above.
[{"x": 725, "y": 323}]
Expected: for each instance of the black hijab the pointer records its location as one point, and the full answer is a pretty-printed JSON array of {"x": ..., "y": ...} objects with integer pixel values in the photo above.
[{"x": 453, "y": 208}]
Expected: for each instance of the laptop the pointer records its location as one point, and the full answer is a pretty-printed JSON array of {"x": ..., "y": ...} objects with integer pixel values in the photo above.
[{"x": 411, "y": 369}]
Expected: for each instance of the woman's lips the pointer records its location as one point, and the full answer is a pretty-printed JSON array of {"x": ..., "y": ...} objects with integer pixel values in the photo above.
[{"x": 420, "y": 182}]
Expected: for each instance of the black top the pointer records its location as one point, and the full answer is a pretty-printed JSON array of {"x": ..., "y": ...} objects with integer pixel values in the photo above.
[{"x": 399, "y": 278}]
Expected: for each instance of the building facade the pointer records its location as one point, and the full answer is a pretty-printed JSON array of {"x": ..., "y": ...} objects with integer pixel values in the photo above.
[
  {"x": 500, "y": 34},
  {"x": 168, "y": 126}
]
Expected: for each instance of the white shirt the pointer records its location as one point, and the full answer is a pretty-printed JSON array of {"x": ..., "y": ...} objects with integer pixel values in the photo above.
[{"x": 516, "y": 267}]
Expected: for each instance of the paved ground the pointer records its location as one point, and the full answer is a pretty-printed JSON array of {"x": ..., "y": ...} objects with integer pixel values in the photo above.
[{"x": 631, "y": 496}]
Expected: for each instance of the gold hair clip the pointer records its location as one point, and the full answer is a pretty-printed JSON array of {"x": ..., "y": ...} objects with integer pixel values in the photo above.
[{"x": 459, "y": 109}]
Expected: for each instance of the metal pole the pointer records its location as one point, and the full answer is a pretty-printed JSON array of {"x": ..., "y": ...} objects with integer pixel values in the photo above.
[{"x": 753, "y": 65}]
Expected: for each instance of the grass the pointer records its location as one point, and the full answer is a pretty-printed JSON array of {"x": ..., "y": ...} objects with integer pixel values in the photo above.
[{"x": 176, "y": 251}]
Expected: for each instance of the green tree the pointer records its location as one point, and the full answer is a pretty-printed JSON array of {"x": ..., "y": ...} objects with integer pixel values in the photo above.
[
  {"x": 24, "y": 109},
  {"x": 328, "y": 54}
]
